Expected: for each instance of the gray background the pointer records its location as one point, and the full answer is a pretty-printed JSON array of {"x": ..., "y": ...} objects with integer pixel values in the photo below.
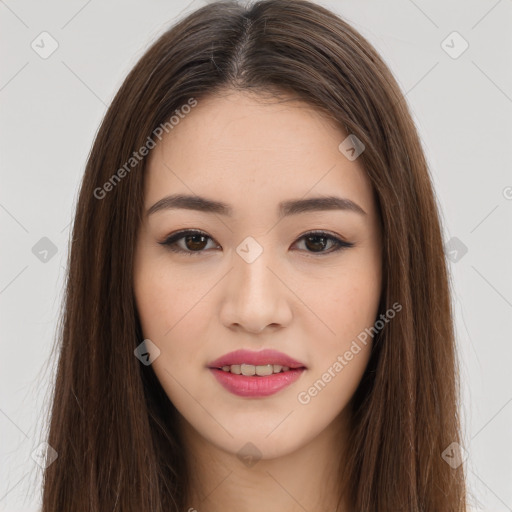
[{"x": 52, "y": 107}]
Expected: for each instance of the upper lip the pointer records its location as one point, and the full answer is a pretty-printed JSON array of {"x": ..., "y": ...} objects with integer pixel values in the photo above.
[{"x": 263, "y": 357}]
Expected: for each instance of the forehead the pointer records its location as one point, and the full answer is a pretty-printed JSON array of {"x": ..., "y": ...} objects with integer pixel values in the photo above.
[{"x": 238, "y": 146}]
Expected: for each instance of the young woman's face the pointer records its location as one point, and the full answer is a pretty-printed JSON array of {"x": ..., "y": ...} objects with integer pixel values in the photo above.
[{"x": 257, "y": 276}]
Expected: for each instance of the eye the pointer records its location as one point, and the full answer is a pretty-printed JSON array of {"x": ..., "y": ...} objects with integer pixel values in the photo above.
[
  {"x": 195, "y": 242},
  {"x": 318, "y": 240}
]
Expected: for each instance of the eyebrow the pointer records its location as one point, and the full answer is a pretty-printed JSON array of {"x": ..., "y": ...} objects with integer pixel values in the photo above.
[{"x": 285, "y": 208}]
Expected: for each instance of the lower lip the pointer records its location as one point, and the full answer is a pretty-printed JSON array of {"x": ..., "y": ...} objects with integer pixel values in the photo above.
[{"x": 256, "y": 386}]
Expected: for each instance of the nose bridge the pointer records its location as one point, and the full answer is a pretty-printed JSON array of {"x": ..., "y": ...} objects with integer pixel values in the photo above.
[
  {"x": 252, "y": 274},
  {"x": 255, "y": 296}
]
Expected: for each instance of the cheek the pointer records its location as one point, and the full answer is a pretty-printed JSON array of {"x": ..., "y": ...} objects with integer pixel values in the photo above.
[
  {"x": 346, "y": 303},
  {"x": 172, "y": 314},
  {"x": 348, "y": 309},
  {"x": 162, "y": 296}
]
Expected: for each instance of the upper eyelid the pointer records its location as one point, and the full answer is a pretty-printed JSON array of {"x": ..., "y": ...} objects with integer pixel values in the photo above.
[{"x": 184, "y": 232}]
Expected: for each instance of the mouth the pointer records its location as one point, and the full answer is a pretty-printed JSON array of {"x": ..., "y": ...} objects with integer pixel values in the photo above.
[{"x": 256, "y": 374}]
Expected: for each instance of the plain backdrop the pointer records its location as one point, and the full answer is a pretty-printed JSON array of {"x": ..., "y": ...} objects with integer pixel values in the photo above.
[{"x": 453, "y": 62}]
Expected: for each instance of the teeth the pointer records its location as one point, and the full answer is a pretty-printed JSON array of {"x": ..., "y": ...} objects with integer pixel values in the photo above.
[{"x": 250, "y": 369}]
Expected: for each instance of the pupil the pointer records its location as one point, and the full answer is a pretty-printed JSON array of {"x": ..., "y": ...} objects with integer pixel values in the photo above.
[
  {"x": 194, "y": 244},
  {"x": 316, "y": 237}
]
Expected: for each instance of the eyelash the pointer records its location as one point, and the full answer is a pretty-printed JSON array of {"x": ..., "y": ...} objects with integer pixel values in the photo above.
[{"x": 170, "y": 242}]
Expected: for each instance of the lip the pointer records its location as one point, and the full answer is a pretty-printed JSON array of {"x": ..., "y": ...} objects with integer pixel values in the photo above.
[
  {"x": 256, "y": 386},
  {"x": 263, "y": 357}
]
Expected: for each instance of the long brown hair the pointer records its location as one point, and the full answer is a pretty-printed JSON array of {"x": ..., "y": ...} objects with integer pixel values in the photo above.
[{"x": 112, "y": 425}]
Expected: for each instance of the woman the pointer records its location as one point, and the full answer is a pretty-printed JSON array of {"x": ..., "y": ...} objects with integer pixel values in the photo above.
[{"x": 257, "y": 312}]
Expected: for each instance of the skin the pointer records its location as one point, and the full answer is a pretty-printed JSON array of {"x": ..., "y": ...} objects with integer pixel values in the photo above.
[{"x": 253, "y": 153}]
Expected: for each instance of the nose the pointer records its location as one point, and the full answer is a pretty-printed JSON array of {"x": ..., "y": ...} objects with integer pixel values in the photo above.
[{"x": 256, "y": 296}]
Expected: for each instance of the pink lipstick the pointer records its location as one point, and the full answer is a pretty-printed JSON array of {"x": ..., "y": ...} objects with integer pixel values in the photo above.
[{"x": 256, "y": 374}]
